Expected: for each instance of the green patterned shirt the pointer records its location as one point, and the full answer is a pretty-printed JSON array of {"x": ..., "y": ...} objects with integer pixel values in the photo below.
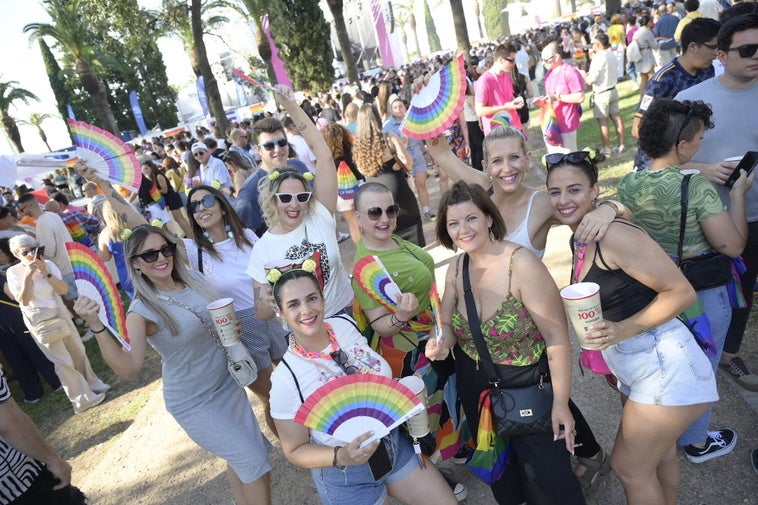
[{"x": 654, "y": 197}]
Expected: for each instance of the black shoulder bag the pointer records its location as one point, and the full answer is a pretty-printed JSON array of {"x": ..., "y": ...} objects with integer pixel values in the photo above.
[
  {"x": 707, "y": 270},
  {"x": 515, "y": 411}
]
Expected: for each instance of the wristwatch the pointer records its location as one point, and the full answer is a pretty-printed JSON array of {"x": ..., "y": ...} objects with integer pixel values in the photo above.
[
  {"x": 334, "y": 461},
  {"x": 49, "y": 275}
]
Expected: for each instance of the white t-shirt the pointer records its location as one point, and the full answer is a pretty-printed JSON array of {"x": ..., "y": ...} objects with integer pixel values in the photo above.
[
  {"x": 52, "y": 233},
  {"x": 314, "y": 373},
  {"x": 226, "y": 275},
  {"x": 43, "y": 293},
  {"x": 315, "y": 234},
  {"x": 303, "y": 152},
  {"x": 215, "y": 170}
]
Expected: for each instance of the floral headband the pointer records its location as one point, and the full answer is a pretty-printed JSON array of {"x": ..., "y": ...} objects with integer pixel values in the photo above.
[
  {"x": 127, "y": 232},
  {"x": 273, "y": 176},
  {"x": 274, "y": 274}
]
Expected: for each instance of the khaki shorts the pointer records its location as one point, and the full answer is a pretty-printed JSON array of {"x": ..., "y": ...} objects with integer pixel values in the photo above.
[{"x": 606, "y": 104}]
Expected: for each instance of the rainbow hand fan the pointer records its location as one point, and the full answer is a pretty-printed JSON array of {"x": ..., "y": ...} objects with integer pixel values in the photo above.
[
  {"x": 254, "y": 82},
  {"x": 373, "y": 278},
  {"x": 94, "y": 281},
  {"x": 502, "y": 118},
  {"x": 434, "y": 300},
  {"x": 437, "y": 105},
  {"x": 107, "y": 154},
  {"x": 349, "y": 406},
  {"x": 549, "y": 123}
]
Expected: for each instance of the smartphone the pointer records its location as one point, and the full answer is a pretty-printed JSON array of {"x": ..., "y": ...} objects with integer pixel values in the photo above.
[
  {"x": 39, "y": 253},
  {"x": 748, "y": 163},
  {"x": 379, "y": 463}
]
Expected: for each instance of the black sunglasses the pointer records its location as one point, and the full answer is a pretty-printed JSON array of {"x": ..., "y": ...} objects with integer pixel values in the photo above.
[
  {"x": 511, "y": 60},
  {"x": 340, "y": 357},
  {"x": 745, "y": 50},
  {"x": 206, "y": 201},
  {"x": 167, "y": 250},
  {"x": 554, "y": 159},
  {"x": 374, "y": 213},
  {"x": 286, "y": 198},
  {"x": 198, "y": 153},
  {"x": 269, "y": 146},
  {"x": 712, "y": 47}
]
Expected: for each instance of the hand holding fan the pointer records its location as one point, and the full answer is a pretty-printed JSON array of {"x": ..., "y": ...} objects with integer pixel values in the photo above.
[
  {"x": 107, "y": 154},
  {"x": 94, "y": 281},
  {"x": 437, "y": 105},
  {"x": 373, "y": 278},
  {"x": 349, "y": 406}
]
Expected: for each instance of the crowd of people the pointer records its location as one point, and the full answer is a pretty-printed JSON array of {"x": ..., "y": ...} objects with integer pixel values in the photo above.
[{"x": 251, "y": 214}]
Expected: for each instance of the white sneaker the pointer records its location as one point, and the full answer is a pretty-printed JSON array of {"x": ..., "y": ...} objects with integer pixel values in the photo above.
[{"x": 88, "y": 335}]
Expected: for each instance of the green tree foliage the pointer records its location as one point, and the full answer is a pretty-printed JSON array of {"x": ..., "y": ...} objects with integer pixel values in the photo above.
[
  {"x": 55, "y": 76},
  {"x": 494, "y": 23},
  {"x": 36, "y": 119},
  {"x": 431, "y": 30},
  {"x": 9, "y": 93},
  {"x": 306, "y": 51}
]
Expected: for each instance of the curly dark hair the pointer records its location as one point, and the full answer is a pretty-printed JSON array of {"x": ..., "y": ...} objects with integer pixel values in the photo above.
[{"x": 667, "y": 122}]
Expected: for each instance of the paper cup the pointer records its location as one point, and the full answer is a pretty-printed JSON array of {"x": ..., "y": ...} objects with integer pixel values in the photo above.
[
  {"x": 418, "y": 425},
  {"x": 225, "y": 320},
  {"x": 582, "y": 303}
]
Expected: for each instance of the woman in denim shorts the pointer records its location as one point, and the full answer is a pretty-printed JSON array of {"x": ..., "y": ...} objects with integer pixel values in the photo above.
[
  {"x": 665, "y": 378},
  {"x": 320, "y": 351}
]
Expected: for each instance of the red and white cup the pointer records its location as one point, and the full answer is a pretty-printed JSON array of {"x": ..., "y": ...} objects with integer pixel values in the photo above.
[
  {"x": 582, "y": 304},
  {"x": 225, "y": 320}
]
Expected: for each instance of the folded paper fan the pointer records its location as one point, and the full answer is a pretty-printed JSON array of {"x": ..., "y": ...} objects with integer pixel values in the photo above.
[
  {"x": 373, "y": 278},
  {"x": 94, "y": 281},
  {"x": 349, "y": 406},
  {"x": 111, "y": 157},
  {"x": 434, "y": 299},
  {"x": 437, "y": 105},
  {"x": 254, "y": 82},
  {"x": 502, "y": 118}
]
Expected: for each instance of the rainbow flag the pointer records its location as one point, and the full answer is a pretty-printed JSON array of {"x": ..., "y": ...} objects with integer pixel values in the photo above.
[
  {"x": 492, "y": 452},
  {"x": 257, "y": 108},
  {"x": 156, "y": 195},
  {"x": 78, "y": 233}
]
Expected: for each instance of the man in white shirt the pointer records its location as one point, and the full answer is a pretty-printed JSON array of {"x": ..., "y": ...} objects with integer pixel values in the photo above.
[
  {"x": 603, "y": 77},
  {"x": 299, "y": 144},
  {"x": 211, "y": 169}
]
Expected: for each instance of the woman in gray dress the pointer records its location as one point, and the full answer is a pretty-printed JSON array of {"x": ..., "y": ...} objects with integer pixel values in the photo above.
[{"x": 197, "y": 388}]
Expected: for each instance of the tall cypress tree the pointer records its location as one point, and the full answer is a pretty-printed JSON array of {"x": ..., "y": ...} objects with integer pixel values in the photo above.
[
  {"x": 55, "y": 76},
  {"x": 302, "y": 35},
  {"x": 431, "y": 30}
]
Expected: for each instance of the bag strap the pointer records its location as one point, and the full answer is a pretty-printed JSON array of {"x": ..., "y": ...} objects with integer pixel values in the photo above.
[
  {"x": 297, "y": 384},
  {"x": 199, "y": 258},
  {"x": 683, "y": 218},
  {"x": 476, "y": 327}
]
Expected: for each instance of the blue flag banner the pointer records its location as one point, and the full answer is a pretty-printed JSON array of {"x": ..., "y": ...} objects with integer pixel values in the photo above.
[
  {"x": 70, "y": 111},
  {"x": 201, "y": 95},
  {"x": 137, "y": 111}
]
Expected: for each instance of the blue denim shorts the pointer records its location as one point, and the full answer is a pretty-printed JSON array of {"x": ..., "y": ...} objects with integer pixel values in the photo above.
[
  {"x": 663, "y": 366},
  {"x": 356, "y": 486}
]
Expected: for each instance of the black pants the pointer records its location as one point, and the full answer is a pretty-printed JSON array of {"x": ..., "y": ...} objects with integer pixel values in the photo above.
[
  {"x": 740, "y": 316},
  {"x": 475, "y": 139},
  {"x": 41, "y": 493},
  {"x": 539, "y": 472}
]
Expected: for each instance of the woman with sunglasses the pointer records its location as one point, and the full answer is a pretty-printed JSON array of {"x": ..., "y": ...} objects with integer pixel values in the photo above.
[
  {"x": 319, "y": 351},
  {"x": 401, "y": 332},
  {"x": 301, "y": 222},
  {"x": 383, "y": 158},
  {"x": 197, "y": 388},
  {"x": 673, "y": 131},
  {"x": 664, "y": 377},
  {"x": 156, "y": 194},
  {"x": 239, "y": 167},
  {"x": 220, "y": 249},
  {"x": 524, "y": 328},
  {"x": 37, "y": 285}
]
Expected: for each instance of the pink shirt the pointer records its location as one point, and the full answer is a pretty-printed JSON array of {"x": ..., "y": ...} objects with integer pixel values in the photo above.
[
  {"x": 564, "y": 80},
  {"x": 492, "y": 90}
]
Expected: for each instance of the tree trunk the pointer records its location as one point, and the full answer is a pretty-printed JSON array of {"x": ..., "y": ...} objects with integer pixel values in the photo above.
[
  {"x": 412, "y": 22},
  {"x": 43, "y": 136},
  {"x": 264, "y": 51},
  {"x": 478, "y": 12},
  {"x": 339, "y": 26},
  {"x": 211, "y": 86},
  {"x": 461, "y": 33},
  {"x": 94, "y": 87},
  {"x": 558, "y": 8},
  {"x": 612, "y": 7},
  {"x": 9, "y": 124}
]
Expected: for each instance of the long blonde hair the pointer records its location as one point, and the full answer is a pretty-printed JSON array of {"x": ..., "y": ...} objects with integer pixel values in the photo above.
[{"x": 369, "y": 146}]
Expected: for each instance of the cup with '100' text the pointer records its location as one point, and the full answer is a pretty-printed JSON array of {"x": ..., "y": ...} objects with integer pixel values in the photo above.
[
  {"x": 224, "y": 320},
  {"x": 582, "y": 303},
  {"x": 418, "y": 425}
]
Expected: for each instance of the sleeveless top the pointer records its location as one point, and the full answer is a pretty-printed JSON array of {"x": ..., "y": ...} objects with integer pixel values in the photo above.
[
  {"x": 521, "y": 236},
  {"x": 510, "y": 334},
  {"x": 621, "y": 296}
]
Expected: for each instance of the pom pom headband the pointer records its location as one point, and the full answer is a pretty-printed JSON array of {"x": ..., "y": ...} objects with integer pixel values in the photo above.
[
  {"x": 274, "y": 272},
  {"x": 274, "y": 176}
]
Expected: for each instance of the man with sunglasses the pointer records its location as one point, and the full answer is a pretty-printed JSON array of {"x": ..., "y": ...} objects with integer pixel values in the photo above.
[
  {"x": 274, "y": 149},
  {"x": 733, "y": 97},
  {"x": 493, "y": 91},
  {"x": 211, "y": 168},
  {"x": 693, "y": 66},
  {"x": 564, "y": 89},
  {"x": 241, "y": 145}
]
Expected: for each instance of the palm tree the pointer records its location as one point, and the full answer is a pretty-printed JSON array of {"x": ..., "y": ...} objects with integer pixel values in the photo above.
[
  {"x": 9, "y": 93},
  {"x": 335, "y": 6},
  {"x": 255, "y": 12},
  {"x": 66, "y": 29},
  {"x": 401, "y": 19},
  {"x": 406, "y": 9},
  {"x": 461, "y": 32},
  {"x": 478, "y": 13},
  {"x": 36, "y": 119},
  {"x": 211, "y": 86}
]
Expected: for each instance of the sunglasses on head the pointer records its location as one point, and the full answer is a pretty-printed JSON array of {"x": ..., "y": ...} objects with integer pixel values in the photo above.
[
  {"x": 555, "y": 159},
  {"x": 269, "y": 146},
  {"x": 198, "y": 153},
  {"x": 745, "y": 50},
  {"x": 548, "y": 59},
  {"x": 167, "y": 250},
  {"x": 206, "y": 201},
  {"x": 374, "y": 213},
  {"x": 340, "y": 357},
  {"x": 286, "y": 198}
]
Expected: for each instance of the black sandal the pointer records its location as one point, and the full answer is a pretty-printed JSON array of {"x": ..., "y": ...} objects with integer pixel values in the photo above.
[{"x": 594, "y": 469}]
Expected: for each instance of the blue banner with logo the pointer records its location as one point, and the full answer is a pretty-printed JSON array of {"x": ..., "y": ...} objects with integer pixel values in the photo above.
[
  {"x": 137, "y": 111},
  {"x": 201, "y": 95}
]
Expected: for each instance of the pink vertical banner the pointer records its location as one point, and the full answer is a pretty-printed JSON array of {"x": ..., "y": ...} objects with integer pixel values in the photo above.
[
  {"x": 276, "y": 62},
  {"x": 385, "y": 48}
]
